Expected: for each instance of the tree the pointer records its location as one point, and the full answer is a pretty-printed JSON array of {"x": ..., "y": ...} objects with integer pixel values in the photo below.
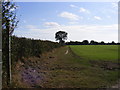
[
  {"x": 61, "y": 36},
  {"x": 102, "y": 43},
  {"x": 92, "y": 42},
  {"x": 85, "y": 42},
  {"x": 9, "y": 16},
  {"x": 9, "y": 23},
  {"x": 113, "y": 43}
]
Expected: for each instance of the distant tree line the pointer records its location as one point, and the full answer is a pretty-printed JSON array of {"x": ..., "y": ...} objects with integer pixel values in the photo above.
[
  {"x": 92, "y": 42},
  {"x": 24, "y": 47}
]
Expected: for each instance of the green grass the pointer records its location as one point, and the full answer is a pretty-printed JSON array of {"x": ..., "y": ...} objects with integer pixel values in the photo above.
[
  {"x": 96, "y": 52},
  {"x": 100, "y": 54},
  {"x": 77, "y": 72}
]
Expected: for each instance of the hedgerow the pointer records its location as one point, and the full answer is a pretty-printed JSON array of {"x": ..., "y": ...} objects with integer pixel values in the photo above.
[{"x": 25, "y": 47}]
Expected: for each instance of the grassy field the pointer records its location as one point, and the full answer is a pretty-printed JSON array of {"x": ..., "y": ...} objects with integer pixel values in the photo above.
[
  {"x": 82, "y": 67},
  {"x": 99, "y": 60},
  {"x": 96, "y": 52}
]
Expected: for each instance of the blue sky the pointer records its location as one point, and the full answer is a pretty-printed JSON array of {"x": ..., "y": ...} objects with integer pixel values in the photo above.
[{"x": 82, "y": 20}]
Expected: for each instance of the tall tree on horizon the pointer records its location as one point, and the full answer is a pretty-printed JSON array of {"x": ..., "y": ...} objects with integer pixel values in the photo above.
[{"x": 61, "y": 36}]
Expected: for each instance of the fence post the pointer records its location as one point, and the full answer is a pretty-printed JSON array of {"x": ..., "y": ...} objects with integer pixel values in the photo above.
[{"x": 10, "y": 59}]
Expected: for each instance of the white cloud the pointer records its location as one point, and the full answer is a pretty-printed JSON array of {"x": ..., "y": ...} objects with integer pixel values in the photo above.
[
  {"x": 114, "y": 5},
  {"x": 74, "y": 6},
  {"x": 84, "y": 10},
  {"x": 99, "y": 33},
  {"x": 97, "y": 18},
  {"x": 51, "y": 24},
  {"x": 73, "y": 23},
  {"x": 70, "y": 16}
]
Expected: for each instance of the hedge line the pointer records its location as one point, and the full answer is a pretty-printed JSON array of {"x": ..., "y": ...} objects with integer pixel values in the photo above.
[{"x": 24, "y": 47}]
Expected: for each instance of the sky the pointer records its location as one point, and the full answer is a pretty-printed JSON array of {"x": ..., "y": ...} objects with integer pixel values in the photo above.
[{"x": 81, "y": 20}]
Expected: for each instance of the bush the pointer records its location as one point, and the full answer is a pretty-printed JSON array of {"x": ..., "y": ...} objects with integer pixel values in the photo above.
[{"x": 24, "y": 47}]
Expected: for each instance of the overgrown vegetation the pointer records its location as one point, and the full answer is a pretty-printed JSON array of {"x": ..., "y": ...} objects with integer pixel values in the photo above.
[{"x": 23, "y": 47}]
